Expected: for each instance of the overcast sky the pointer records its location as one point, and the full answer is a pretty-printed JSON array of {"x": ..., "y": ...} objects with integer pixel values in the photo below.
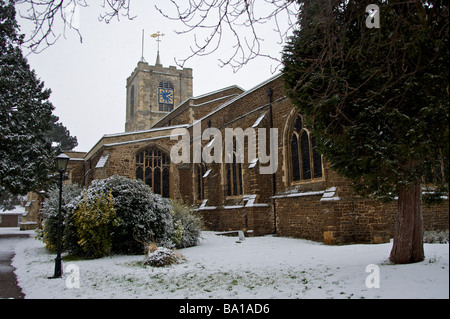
[{"x": 88, "y": 79}]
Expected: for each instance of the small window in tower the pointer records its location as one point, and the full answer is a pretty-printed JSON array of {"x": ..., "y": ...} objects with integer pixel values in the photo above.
[
  {"x": 165, "y": 96},
  {"x": 132, "y": 101}
]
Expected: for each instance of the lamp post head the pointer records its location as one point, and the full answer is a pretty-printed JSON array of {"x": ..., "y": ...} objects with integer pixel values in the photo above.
[{"x": 61, "y": 162}]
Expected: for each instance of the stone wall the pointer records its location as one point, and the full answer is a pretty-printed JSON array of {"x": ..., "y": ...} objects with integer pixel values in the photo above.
[
  {"x": 322, "y": 209},
  {"x": 254, "y": 220}
]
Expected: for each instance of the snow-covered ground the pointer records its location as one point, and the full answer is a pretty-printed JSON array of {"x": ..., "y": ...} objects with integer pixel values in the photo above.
[{"x": 221, "y": 267}]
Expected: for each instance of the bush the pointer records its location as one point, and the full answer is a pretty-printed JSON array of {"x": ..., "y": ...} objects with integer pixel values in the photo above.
[
  {"x": 162, "y": 257},
  {"x": 436, "y": 237},
  {"x": 144, "y": 217},
  {"x": 48, "y": 233},
  {"x": 141, "y": 217},
  {"x": 187, "y": 226},
  {"x": 95, "y": 218}
]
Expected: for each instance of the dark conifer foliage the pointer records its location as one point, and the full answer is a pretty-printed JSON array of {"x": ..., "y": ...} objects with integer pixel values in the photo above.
[
  {"x": 27, "y": 126},
  {"x": 377, "y": 99}
]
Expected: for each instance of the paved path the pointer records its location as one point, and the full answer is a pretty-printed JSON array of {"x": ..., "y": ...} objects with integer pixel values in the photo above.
[{"x": 8, "y": 281}]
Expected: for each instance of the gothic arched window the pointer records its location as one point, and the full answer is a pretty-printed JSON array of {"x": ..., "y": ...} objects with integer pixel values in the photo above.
[
  {"x": 306, "y": 161},
  {"x": 234, "y": 178},
  {"x": 165, "y": 96},
  {"x": 153, "y": 167},
  {"x": 132, "y": 101},
  {"x": 234, "y": 175}
]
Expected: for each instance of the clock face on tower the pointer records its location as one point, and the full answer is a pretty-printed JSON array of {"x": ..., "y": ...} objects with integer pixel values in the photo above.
[{"x": 165, "y": 96}]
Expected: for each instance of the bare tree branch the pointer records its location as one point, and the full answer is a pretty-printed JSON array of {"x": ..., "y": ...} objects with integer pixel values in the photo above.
[
  {"x": 116, "y": 9},
  {"x": 46, "y": 16},
  {"x": 240, "y": 26},
  {"x": 237, "y": 21}
]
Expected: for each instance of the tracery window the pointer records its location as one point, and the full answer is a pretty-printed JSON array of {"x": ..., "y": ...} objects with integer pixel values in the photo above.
[
  {"x": 306, "y": 161},
  {"x": 153, "y": 167},
  {"x": 234, "y": 175}
]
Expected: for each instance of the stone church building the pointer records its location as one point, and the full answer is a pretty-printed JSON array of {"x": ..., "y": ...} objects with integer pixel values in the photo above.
[{"x": 303, "y": 198}]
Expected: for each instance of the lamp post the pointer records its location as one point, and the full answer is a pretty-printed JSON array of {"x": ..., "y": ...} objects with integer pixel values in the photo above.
[{"x": 61, "y": 164}]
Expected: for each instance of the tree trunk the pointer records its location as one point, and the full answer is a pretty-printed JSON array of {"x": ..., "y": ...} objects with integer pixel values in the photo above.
[{"x": 408, "y": 237}]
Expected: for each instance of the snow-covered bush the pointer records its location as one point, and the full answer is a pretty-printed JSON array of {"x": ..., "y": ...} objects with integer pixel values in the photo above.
[
  {"x": 143, "y": 216},
  {"x": 48, "y": 233},
  {"x": 162, "y": 257},
  {"x": 95, "y": 218},
  {"x": 187, "y": 226},
  {"x": 436, "y": 237}
]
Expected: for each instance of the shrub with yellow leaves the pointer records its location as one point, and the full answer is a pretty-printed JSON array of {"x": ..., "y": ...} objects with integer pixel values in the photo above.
[{"x": 95, "y": 219}]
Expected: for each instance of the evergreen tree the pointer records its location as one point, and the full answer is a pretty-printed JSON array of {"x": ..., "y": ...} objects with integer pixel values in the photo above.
[
  {"x": 8, "y": 201},
  {"x": 25, "y": 114},
  {"x": 61, "y": 135},
  {"x": 377, "y": 100}
]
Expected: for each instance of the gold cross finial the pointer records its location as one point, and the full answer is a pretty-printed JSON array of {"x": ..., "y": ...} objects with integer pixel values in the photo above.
[
  {"x": 158, "y": 40},
  {"x": 157, "y": 35}
]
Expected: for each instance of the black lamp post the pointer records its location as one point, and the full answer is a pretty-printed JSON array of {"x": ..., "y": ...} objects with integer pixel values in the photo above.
[{"x": 61, "y": 164}]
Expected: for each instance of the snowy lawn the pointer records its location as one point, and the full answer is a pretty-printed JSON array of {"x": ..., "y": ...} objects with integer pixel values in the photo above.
[{"x": 260, "y": 267}]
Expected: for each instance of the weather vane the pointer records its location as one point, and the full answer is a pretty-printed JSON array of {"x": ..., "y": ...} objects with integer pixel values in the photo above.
[{"x": 157, "y": 35}]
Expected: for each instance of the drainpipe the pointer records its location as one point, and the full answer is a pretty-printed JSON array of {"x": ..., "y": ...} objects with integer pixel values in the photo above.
[
  {"x": 181, "y": 88},
  {"x": 274, "y": 183}
]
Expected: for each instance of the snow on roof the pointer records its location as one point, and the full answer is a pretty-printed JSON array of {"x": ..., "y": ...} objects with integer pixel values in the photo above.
[
  {"x": 330, "y": 195},
  {"x": 251, "y": 201},
  {"x": 217, "y": 91},
  {"x": 204, "y": 207},
  {"x": 102, "y": 161},
  {"x": 18, "y": 210},
  {"x": 258, "y": 121},
  {"x": 143, "y": 140},
  {"x": 210, "y": 143},
  {"x": 240, "y": 96},
  {"x": 207, "y": 173},
  {"x": 147, "y": 131},
  {"x": 253, "y": 163},
  {"x": 184, "y": 105},
  {"x": 313, "y": 193}
]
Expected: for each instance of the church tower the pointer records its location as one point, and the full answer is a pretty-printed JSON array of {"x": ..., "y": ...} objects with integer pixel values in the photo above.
[{"x": 153, "y": 91}]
